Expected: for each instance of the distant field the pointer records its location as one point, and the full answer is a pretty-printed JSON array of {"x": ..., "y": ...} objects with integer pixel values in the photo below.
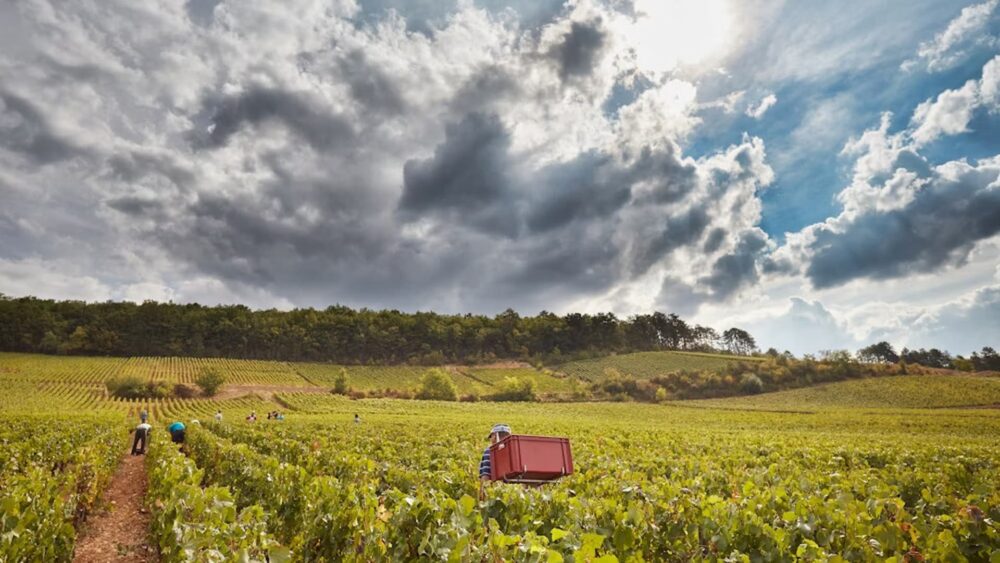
[
  {"x": 644, "y": 365},
  {"x": 38, "y": 367},
  {"x": 368, "y": 378},
  {"x": 544, "y": 383},
  {"x": 468, "y": 379},
  {"x": 904, "y": 391},
  {"x": 86, "y": 370}
]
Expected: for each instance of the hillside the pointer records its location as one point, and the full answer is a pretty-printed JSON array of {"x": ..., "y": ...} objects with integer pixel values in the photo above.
[
  {"x": 92, "y": 372},
  {"x": 645, "y": 365},
  {"x": 903, "y": 391}
]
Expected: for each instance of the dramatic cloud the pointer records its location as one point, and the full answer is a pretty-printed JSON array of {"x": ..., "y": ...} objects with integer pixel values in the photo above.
[
  {"x": 24, "y": 130},
  {"x": 588, "y": 155},
  {"x": 900, "y": 217}
]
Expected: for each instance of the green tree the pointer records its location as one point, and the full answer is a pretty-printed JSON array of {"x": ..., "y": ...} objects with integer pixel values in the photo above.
[
  {"x": 739, "y": 341},
  {"x": 210, "y": 380},
  {"x": 878, "y": 353},
  {"x": 340, "y": 383},
  {"x": 437, "y": 385},
  {"x": 514, "y": 389}
]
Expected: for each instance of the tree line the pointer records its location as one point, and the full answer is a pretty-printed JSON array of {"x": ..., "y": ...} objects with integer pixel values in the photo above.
[
  {"x": 341, "y": 334},
  {"x": 986, "y": 359}
]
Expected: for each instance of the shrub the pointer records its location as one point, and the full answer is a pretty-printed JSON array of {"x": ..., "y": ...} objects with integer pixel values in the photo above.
[
  {"x": 437, "y": 385},
  {"x": 132, "y": 387},
  {"x": 750, "y": 384},
  {"x": 514, "y": 389},
  {"x": 662, "y": 395},
  {"x": 340, "y": 383},
  {"x": 210, "y": 380}
]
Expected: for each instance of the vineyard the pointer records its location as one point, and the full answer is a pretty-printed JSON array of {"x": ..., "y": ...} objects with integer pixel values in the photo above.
[
  {"x": 645, "y": 365},
  {"x": 857, "y": 474},
  {"x": 907, "y": 391},
  {"x": 469, "y": 380},
  {"x": 77, "y": 370}
]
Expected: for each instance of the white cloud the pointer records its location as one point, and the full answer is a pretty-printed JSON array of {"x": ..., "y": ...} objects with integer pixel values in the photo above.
[
  {"x": 952, "y": 110},
  {"x": 757, "y": 111},
  {"x": 950, "y": 46},
  {"x": 948, "y": 114}
]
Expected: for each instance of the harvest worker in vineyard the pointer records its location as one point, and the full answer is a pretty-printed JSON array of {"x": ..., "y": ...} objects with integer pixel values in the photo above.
[
  {"x": 497, "y": 433},
  {"x": 176, "y": 432},
  {"x": 141, "y": 435}
]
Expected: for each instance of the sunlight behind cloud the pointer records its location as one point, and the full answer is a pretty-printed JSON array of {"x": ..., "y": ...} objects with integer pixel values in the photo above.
[{"x": 667, "y": 34}]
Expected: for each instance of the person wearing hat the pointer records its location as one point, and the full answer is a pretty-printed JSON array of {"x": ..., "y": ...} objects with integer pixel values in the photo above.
[{"x": 497, "y": 433}]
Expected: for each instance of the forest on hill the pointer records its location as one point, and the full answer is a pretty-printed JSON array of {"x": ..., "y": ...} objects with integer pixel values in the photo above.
[{"x": 340, "y": 334}]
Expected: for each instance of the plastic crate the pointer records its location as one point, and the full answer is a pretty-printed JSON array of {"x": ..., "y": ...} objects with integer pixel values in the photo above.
[{"x": 530, "y": 459}]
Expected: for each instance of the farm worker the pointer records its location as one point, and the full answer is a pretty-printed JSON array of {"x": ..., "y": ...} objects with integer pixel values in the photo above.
[
  {"x": 141, "y": 435},
  {"x": 279, "y": 416},
  {"x": 357, "y": 419},
  {"x": 143, "y": 416},
  {"x": 218, "y": 416},
  {"x": 176, "y": 432},
  {"x": 252, "y": 417},
  {"x": 497, "y": 433}
]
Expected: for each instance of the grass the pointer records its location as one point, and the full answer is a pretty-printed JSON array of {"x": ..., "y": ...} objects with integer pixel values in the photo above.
[
  {"x": 644, "y": 365},
  {"x": 904, "y": 391}
]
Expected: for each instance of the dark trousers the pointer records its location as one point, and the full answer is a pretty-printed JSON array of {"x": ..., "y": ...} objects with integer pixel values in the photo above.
[
  {"x": 139, "y": 444},
  {"x": 177, "y": 437}
]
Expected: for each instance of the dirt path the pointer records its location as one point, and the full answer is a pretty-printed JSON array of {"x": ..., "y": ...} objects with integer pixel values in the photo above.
[{"x": 119, "y": 530}]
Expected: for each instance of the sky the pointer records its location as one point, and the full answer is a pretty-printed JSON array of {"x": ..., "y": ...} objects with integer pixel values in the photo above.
[{"x": 824, "y": 175}]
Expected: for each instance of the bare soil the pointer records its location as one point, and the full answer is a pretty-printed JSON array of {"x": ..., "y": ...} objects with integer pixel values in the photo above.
[{"x": 119, "y": 529}]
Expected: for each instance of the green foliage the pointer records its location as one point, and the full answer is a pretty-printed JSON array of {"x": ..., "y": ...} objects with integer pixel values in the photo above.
[
  {"x": 340, "y": 384},
  {"x": 51, "y": 475},
  {"x": 192, "y": 523},
  {"x": 210, "y": 380},
  {"x": 737, "y": 485},
  {"x": 131, "y": 387},
  {"x": 437, "y": 385},
  {"x": 514, "y": 389},
  {"x": 334, "y": 334}
]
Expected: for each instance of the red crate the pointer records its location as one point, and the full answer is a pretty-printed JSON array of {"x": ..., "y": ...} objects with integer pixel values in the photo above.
[{"x": 530, "y": 459}]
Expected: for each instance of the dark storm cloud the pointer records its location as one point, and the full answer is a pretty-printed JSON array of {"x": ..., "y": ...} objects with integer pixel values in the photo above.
[
  {"x": 468, "y": 178},
  {"x": 24, "y": 129},
  {"x": 714, "y": 240},
  {"x": 321, "y": 128},
  {"x": 938, "y": 228},
  {"x": 671, "y": 178},
  {"x": 591, "y": 185},
  {"x": 579, "y": 50},
  {"x": 677, "y": 231},
  {"x": 737, "y": 269}
]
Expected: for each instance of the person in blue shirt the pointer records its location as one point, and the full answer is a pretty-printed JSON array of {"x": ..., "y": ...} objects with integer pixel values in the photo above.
[
  {"x": 176, "y": 432},
  {"x": 497, "y": 433}
]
